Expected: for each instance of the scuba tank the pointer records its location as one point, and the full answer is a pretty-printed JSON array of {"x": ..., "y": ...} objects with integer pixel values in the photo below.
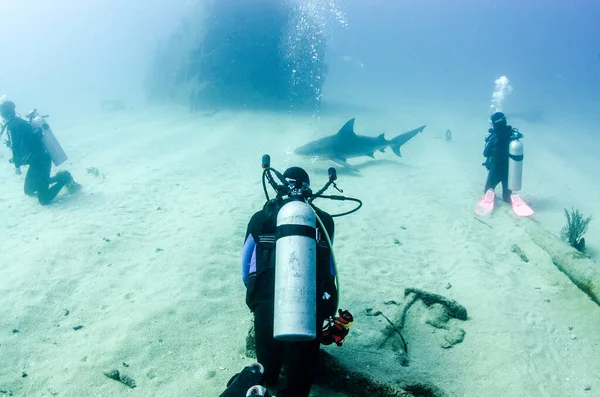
[
  {"x": 295, "y": 273},
  {"x": 515, "y": 165},
  {"x": 296, "y": 236},
  {"x": 56, "y": 152},
  {"x": 3, "y": 124}
]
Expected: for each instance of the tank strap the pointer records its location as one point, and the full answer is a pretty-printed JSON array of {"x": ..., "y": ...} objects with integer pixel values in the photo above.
[
  {"x": 296, "y": 230},
  {"x": 516, "y": 158}
]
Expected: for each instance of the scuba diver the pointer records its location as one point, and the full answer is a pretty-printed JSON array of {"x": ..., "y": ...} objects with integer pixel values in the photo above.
[
  {"x": 289, "y": 270},
  {"x": 32, "y": 143},
  {"x": 504, "y": 161}
]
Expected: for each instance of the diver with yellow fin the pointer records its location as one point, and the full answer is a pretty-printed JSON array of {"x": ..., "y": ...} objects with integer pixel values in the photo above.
[
  {"x": 292, "y": 286},
  {"x": 33, "y": 143}
]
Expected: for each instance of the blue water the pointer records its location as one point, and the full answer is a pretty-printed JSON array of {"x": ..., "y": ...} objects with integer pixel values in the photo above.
[
  {"x": 417, "y": 51},
  {"x": 453, "y": 51}
]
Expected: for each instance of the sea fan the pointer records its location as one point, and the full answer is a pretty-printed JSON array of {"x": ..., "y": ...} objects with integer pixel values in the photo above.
[{"x": 575, "y": 228}]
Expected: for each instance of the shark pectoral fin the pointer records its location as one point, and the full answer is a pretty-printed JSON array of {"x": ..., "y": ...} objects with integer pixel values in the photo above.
[
  {"x": 343, "y": 163},
  {"x": 382, "y": 150},
  {"x": 372, "y": 155}
]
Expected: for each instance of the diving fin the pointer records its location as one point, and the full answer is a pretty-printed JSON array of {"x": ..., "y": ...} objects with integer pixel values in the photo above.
[
  {"x": 519, "y": 206},
  {"x": 486, "y": 204},
  {"x": 257, "y": 391},
  {"x": 244, "y": 381},
  {"x": 73, "y": 187}
]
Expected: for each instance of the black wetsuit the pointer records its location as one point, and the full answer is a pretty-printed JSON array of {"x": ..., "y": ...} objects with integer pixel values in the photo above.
[
  {"x": 496, "y": 153},
  {"x": 28, "y": 149},
  {"x": 300, "y": 358}
]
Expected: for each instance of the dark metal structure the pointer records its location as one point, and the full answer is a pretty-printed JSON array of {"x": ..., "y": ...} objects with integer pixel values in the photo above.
[{"x": 241, "y": 53}]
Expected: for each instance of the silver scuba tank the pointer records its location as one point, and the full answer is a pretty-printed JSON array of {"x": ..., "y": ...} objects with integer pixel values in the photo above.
[
  {"x": 515, "y": 165},
  {"x": 56, "y": 152},
  {"x": 295, "y": 273}
]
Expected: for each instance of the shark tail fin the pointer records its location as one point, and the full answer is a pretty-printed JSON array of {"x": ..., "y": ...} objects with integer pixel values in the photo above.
[{"x": 402, "y": 139}]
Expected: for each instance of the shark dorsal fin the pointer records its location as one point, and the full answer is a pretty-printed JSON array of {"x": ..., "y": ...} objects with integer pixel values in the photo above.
[
  {"x": 381, "y": 137},
  {"x": 347, "y": 129}
]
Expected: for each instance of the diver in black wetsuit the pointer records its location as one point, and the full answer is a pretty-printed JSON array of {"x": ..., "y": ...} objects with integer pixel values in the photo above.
[
  {"x": 28, "y": 149},
  {"x": 496, "y": 153},
  {"x": 291, "y": 299},
  {"x": 258, "y": 274}
]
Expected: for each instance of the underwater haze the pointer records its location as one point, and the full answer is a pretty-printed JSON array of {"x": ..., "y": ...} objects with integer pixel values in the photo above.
[
  {"x": 130, "y": 279},
  {"x": 68, "y": 55},
  {"x": 434, "y": 52},
  {"x": 449, "y": 53}
]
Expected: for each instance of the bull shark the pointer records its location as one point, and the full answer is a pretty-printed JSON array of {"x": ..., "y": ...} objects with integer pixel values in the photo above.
[{"x": 346, "y": 144}]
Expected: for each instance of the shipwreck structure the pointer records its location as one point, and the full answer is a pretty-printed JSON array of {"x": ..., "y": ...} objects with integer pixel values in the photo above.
[{"x": 242, "y": 53}]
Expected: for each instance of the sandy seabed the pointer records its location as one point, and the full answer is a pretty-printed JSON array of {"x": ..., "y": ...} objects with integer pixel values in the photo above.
[{"x": 147, "y": 257}]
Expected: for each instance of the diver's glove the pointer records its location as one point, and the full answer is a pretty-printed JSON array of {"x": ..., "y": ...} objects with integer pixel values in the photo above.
[
  {"x": 491, "y": 137},
  {"x": 337, "y": 329},
  {"x": 487, "y": 163}
]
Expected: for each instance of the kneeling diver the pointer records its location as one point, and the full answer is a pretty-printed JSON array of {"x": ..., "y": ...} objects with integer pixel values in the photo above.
[
  {"x": 289, "y": 271},
  {"x": 27, "y": 145}
]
